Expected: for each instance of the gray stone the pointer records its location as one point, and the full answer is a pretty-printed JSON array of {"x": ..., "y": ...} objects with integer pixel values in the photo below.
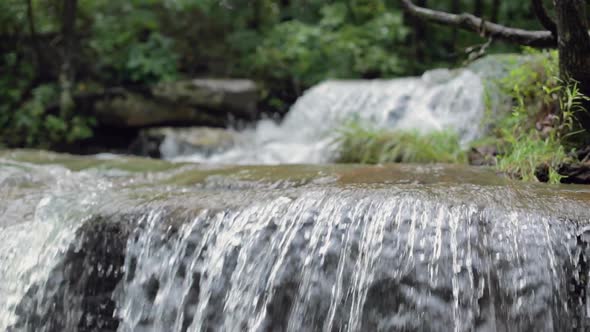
[
  {"x": 230, "y": 95},
  {"x": 198, "y": 102},
  {"x": 133, "y": 110},
  {"x": 169, "y": 142}
]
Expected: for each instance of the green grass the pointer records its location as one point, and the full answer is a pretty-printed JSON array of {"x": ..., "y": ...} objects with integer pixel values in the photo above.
[
  {"x": 526, "y": 155},
  {"x": 541, "y": 127},
  {"x": 360, "y": 144},
  {"x": 535, "y": 134}
]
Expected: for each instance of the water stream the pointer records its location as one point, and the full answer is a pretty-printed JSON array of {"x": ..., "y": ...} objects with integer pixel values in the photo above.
[
  {"x": 438, "y": 100},
  {"x": 352, "y": 261},
  {"x": 324, "y": 248},
  {"x": 129, "y": 244}
]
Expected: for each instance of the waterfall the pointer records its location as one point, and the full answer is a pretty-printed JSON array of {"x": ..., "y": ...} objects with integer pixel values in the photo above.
[
  {"x": 438, "y": 100},
  {"x": 123, "y": 244},
  {"x": 41, "y": 210},
  {"x": 350, "y": 260},
  {"x": 390, "y": 248}
]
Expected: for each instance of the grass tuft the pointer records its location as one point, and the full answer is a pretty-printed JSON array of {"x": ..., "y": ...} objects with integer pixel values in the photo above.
[
  {"x": 362, "y": 144},
  {"x": 542, "y": 126}
]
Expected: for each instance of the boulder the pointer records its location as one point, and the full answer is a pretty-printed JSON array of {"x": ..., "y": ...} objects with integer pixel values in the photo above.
[
  {"x": 234, "y": 96},
  {"x": 168, "y": 142},
  {"x": 198, "y": 102},
  {"x": 133, "y": 110}
]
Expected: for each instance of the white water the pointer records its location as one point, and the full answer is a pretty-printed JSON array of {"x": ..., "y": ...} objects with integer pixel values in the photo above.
[
  {"x": 322, "y": 257},
  {"x": 336, "y": 258},
  {"x": 349, "y": 261},
  {"x": 440, "y": 99},
  {"x": 37, "y": 228}
]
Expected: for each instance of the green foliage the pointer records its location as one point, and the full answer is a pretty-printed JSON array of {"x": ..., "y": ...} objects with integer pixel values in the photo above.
[
  {"x": 535, "y": 81},
  {"x": 523, "y": 157},
  {"x": 15, "y": 77},
  {"x": 34, "y": 125},
  {"x": 334, "y": 47},
  {"x": 131, "y": 48},
  {"x": 542, "y": 125},
  {"x": 286, "y": 46},
  {"x": 152, "y": 60},
  {"x": 358, "y": 144}
]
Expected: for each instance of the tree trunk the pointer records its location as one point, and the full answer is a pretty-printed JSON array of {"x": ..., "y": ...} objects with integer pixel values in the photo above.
[
  {"x": 574, "y": 47},
  {"x": 495, "y": 12},
  {"x": 33, "y": 32},
  {"x": 420, "y": 36},
  {"x": 67, "y": 73},
  {"x": 478, "y": 8}
]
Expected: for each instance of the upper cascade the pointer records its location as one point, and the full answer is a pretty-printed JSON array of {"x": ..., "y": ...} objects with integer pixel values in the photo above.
[{"x": 438, "y": 100}]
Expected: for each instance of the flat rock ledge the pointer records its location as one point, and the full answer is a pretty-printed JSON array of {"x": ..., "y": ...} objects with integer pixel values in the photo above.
[{"x": 196, "y": 102}]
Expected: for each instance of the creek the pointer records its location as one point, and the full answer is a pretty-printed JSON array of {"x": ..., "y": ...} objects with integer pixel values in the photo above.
[{"x": 110, "y": 243}]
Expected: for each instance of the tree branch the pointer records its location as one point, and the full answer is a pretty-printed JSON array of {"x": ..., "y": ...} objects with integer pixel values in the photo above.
[
  {"x": 546, "y": 21},
  {"x": 541, "y": 39}
]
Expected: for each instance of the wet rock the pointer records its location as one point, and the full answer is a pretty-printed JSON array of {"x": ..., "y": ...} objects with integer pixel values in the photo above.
[
  {"x": 582, "y": 154},
  {"x": 168, "y": 142},
  {"x": 577, "y": 173},
  {"x": 78, "y": 294},
  {"x": 482, "y": 156},
  {"x": 203, "y": 102},
  {"x": 134, "y": 110},
  {"x": 542, "y": 173},
  {"x": 231, "y": 95},
  {"x": 572, "y": 173}
]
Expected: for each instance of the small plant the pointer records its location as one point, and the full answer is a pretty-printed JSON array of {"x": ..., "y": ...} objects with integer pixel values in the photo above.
[
  {"x": 362, "y": 144},
  {"x": 526, "y": 155},
  {"x": 542, "y": 125}
]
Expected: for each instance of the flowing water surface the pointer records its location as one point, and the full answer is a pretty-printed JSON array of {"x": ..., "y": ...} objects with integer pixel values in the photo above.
[
  {"x": 286, "y": 248},
  {"x": 126, "y": 244}
]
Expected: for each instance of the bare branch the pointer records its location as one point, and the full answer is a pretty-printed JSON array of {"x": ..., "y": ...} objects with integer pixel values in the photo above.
[
  {"x": 541, "y": 39},
  {"x": 546, "y": 21}
]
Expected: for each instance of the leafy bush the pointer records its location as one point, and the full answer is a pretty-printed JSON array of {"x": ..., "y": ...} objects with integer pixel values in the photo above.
[
  {"x": 336, "y": 47},
  {"x": 153, "y": 60},
  {"x": 359, "y": 144},
  {"x": 34, "y": 125},
  {"x": 330, "y": 41},
  {"x": 132, "y": 49}
]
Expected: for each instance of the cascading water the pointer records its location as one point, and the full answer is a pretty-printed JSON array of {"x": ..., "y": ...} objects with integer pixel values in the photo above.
[
  {"x": 37, "y": 225},
  {"x": 114, "y": 244},
  {"x": 440, "y": 99},
  {"x": 351, "y": 261},
  {"x": 328, "y": 248}
]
